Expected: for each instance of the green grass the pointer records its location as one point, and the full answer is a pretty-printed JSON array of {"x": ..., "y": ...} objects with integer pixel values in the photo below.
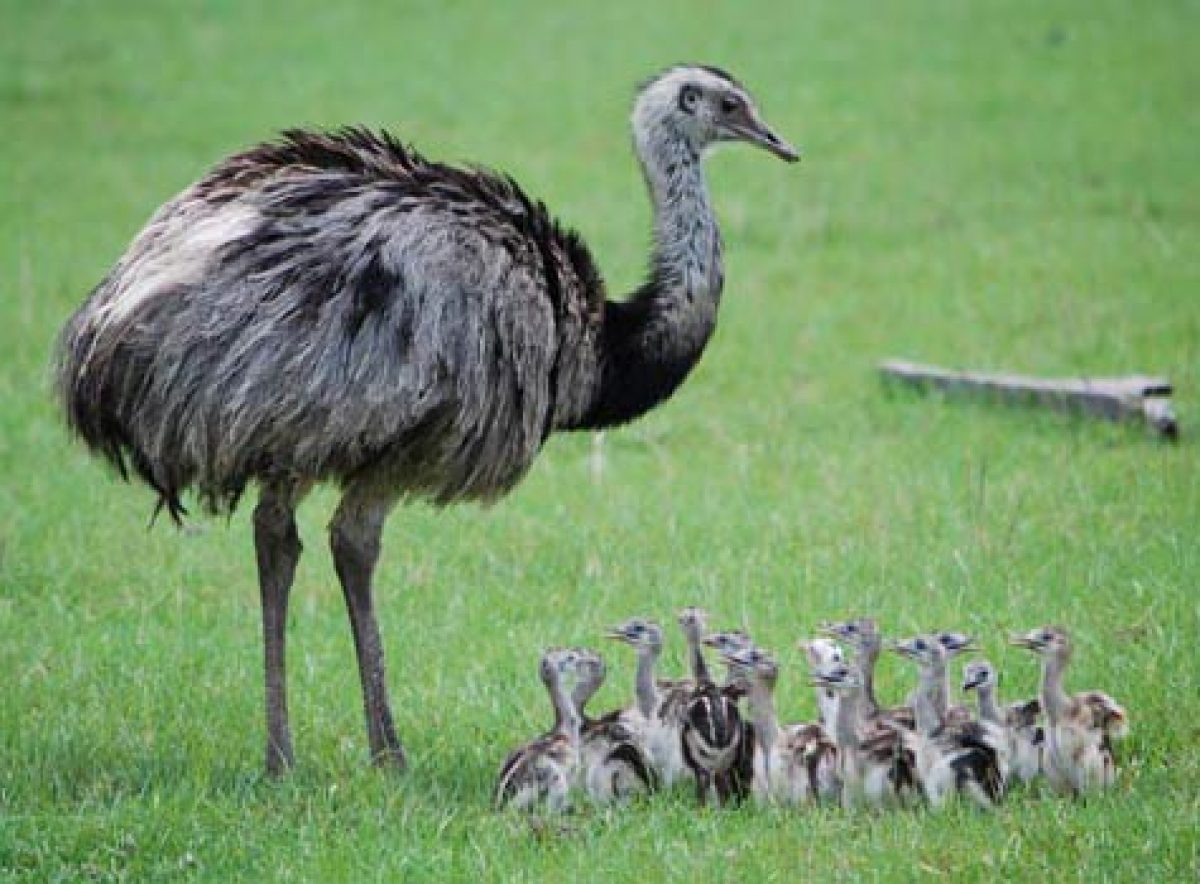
[{"x": 1007, "y": 185}]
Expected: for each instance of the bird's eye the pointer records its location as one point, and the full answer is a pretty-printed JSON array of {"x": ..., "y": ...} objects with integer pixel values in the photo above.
[
  {"x": 919, "y": 645},
  {"x": 851, "y": 628},
  {"x": 689, "y": 96},
  {"x": 730, "y": 104}
]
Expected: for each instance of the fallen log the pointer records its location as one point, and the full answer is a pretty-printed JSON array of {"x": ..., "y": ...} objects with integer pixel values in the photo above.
[{"x": 1136, "y": 397}]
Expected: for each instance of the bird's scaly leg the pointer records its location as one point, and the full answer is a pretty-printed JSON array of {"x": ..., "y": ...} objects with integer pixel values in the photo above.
[
  {"x": 277, "y": 548},
  {"x": 354, "y": 539}
]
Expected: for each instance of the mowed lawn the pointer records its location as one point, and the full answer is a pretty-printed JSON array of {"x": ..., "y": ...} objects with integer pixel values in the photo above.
[{"x": 1002, "y": 185}]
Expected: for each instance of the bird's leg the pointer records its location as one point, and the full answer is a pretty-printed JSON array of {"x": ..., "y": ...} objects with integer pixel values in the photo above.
[
  {"x": 277, "y": 548},
  {"x": 354, "y": 539},
  {"x": 722, "y": 784}
]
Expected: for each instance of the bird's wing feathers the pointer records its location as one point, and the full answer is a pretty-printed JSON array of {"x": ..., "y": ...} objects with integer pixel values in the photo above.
[{"x": 1105, "y": 713}]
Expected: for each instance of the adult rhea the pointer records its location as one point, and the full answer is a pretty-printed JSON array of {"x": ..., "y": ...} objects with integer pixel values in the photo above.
[{"x": 336, "y": 307}]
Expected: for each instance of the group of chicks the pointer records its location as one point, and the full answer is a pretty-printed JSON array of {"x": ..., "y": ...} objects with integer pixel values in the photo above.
[{"x": 858, "y": 753}]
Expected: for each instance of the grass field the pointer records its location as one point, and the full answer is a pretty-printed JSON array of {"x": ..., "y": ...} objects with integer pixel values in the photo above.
[{"x": 1006, "y": 185}]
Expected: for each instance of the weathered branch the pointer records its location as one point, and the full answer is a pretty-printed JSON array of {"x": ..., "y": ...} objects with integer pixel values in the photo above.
[{"x": 1135, "y": 397}]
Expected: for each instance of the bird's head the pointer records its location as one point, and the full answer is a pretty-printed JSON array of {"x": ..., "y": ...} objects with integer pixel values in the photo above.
[
  {"x": 639, "y": 633},
  {"x": 752, "y": 663},
  {"x": 924, "y": 650},
  {"x": 589, "y": 666},
  {"x": 978, "y": 674},
  {"x": 694, "y": 621},
  {"x": 1046, "y": 641},
  {"x": 821, "y": 652},
  {"x": 727, "y": 641},
  {"x": 700, "y": 106},
  {"x": 557, "y": 663},
  {"x": 836, "y": 676},
  {"x": 955, "y": 643},
  {"x": 861, "y": 634}
]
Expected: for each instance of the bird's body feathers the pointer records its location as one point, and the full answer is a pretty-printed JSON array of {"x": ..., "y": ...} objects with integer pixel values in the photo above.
[{"x": 328, "y": 307}]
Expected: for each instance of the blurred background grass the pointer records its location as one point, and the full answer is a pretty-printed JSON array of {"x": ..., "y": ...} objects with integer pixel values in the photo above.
[{"x": 1005, "y": 185}]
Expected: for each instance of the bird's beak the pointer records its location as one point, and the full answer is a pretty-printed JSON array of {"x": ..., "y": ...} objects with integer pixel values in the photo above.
[
  {"x": 828, "y": 683},
  {"x": 616, "y": 634},
  {"x": 751, "y": 128},
  {"x": 1022, "y": 641},
  {"x": 971, "y": 683}
]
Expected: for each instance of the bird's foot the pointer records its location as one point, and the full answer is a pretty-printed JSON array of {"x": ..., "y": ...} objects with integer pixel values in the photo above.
[
  {"x": 280, "y": 760},
  {"x": 391, "y": 758}
]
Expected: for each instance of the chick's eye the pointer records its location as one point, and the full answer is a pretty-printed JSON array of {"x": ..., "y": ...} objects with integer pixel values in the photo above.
[
  {"x": 851, "y": 628},
  {"x": 919, "y": 645}
]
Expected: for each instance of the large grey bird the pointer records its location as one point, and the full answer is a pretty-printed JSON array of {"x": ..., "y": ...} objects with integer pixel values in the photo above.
[{"x": 336, "y": 307}]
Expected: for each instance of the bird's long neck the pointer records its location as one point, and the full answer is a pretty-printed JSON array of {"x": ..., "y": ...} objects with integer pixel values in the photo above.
[
  {"x": 696, "y": 657},
  {"x": 940, "y": 695},
  {"x": 925, "y": 708},
  {"x": 644, "y": 686},
  {"x": 1054, "y": 698},
  {"x": 989, "y": 709},
  {"x": 585, "y": 689},
  {"x": 649, "y": 343},
  {"x": 828, "y": 702},
  {"x": 566, "y": 716},
  {"x": 847, "y": 719},
  {"x": 870, "y": 655},
  {"x": 762, "y": 709}
]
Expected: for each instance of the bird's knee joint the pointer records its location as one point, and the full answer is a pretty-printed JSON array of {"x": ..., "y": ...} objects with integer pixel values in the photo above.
[
  {"x": 346, "y": 541},
  {"x": 276, "y": 521}
]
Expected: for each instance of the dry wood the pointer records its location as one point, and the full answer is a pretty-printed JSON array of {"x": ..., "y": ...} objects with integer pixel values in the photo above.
[{"x": 1136, "y": 397}]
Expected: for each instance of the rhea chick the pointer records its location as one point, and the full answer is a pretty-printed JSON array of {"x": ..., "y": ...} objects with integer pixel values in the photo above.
[
  {"x": 656, "y": 716},
  {"x": 1020, "y": 720},
  {"x": 540, "y": 773},
  {"x": 874, "y": 765},
  {"x": 614, "y": 765},
  {"x": 794, "y": 763},
  {"x": 963, "y": 757},
  {"x": 1080, "y": 727}
]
